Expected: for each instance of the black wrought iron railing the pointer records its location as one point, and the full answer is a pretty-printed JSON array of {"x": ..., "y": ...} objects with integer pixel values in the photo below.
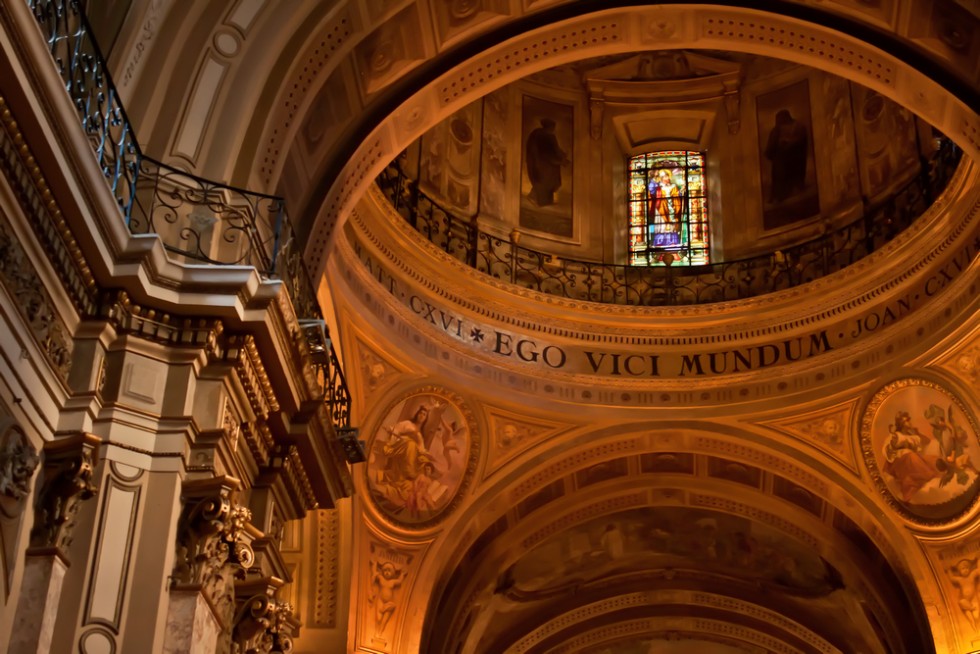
[
  {"x": 198, "y": 220},
  {"x": 505, "y": 258}
]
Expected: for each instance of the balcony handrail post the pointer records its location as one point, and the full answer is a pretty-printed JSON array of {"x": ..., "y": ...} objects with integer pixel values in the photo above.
[
  {"x": 515, "y": 238},
  {"x": 277, "y": 238}
]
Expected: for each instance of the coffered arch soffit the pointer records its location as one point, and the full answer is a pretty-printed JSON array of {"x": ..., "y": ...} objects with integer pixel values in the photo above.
[{"x": 554, "y": 489}]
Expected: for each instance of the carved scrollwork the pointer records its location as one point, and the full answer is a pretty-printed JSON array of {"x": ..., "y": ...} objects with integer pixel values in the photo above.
[
  {"x": 212, "y": 548},
  {"x": 69, "y": 469},
  {"x": 18, "y": 275},
  {"x": 263, "y": 625},
  {"x": 18, "y": 460}
]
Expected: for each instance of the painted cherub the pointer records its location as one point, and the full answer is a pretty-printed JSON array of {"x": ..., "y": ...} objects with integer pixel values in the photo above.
[
  {"x": 385, "y": 581},
  {"x": 965, "y": 577}
]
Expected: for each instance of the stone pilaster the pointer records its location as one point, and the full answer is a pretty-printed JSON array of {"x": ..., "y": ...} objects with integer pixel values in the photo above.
[{"x": 69, "y": 465}]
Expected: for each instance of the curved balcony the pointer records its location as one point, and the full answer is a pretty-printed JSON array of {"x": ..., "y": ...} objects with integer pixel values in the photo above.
[
  {"x": 199, "y": 221},
  {"x": 611, "y": 283}
]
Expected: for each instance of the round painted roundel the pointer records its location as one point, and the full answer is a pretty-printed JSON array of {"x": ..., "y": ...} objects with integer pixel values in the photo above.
[
  {"x": 421, "y": 456},
  {"x": 921, "y": 445}
]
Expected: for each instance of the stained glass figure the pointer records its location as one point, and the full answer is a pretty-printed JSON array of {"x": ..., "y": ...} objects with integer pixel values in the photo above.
[{"x": 668, "y": 217}]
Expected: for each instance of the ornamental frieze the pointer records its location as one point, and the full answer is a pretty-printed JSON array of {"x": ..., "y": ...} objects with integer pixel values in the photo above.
[
  {"x": 548, "y": 347},
  {"x": 19, "y": 277}
]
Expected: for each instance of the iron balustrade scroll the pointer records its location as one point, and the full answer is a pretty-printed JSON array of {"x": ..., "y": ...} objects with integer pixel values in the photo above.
[
  {"x": 199, "y": 221},
  {"x": 83, "y": 69},
  {"x": 506, "y": 259}
]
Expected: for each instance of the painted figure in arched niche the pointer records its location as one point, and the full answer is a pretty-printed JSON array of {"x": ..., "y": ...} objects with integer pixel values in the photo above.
[
  {"x": 786, "y": 150},
  {"x": 544, "y": 161}
]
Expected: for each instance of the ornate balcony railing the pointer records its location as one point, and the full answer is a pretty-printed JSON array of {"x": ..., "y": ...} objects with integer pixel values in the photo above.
[
  {"x": 198, "y": 220},
  {"x": 669, "y": 285}
]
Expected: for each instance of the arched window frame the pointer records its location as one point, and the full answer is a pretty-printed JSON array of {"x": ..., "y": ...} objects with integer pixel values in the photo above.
[{"x": 668, "y": 209}]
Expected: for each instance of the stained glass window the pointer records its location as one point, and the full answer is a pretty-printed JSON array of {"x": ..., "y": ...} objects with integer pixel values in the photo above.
[{"x": 668, "y": 212}]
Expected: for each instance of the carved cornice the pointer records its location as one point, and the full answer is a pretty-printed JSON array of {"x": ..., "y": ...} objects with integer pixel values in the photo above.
[
  {"x": 299, "y": 480},
  {"x": 38, "y": 203},
  {"x": 69, "y": 469},
  {"x": 259, "y": 440},
  {"x": 212, "y": 546},
  {"x": 127, "y": 317},
  {"x": 252, "y": 374}
]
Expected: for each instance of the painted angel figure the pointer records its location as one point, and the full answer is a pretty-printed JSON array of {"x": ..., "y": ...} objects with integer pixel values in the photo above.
[{"x": 953, "y": 439}]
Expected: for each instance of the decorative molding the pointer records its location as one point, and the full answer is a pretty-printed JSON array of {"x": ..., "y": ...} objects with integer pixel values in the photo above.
[
  {"x": 38, "y": 203},
  {"x": 603, "y": 507},
  {"x": 728, "y": 505},
  {"x": 683, "y": 620},
  {"x": 128, "y": 317},
  {"x": 69, "y": 468},
  {"x": 327, "y": 571},
  {"x": 316, "y": 63},
  {"x": 252, "y": 373},
  {"x": 113, "y": 553}
]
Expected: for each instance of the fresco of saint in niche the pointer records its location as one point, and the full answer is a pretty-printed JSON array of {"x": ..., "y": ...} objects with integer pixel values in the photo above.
[
  {"x": 712, "y": 542},
  {"x": 924, "y": 444},
  {"x": 418, "y": 458}
]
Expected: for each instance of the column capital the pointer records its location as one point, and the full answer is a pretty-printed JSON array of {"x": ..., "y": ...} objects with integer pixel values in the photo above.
[
  {"x": 213, "y": 546},
  {"x": 68, "y": 471},
  {"x": 263, "y": 623}
]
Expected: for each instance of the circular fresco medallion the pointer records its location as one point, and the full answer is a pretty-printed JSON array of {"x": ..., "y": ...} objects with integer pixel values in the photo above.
[
  {"x": 921, "y": 445},
  {"x": 421, "y": 457}
]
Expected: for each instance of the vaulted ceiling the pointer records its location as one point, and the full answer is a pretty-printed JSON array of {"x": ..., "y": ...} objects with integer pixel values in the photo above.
[{"x": 592, "y": 511}]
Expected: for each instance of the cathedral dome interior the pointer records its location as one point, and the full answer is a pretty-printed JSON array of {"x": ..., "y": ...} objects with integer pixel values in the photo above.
[{"x": 490, "y": 326}]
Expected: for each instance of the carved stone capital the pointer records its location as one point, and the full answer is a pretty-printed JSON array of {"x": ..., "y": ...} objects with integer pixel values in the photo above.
[
  {"x": 18, "y": 461},
  {"x": 263, "y": 623},
  {"x": 69, "y": 468},
  {"x": 212, "y": 545}
]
